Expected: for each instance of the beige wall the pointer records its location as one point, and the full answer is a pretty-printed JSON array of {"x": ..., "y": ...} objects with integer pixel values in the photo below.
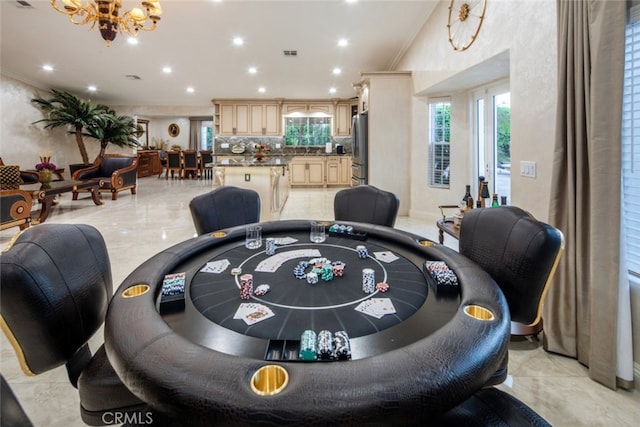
[
  {"x": 21, "y": 141},
  {"x": 514, "y": 43}
]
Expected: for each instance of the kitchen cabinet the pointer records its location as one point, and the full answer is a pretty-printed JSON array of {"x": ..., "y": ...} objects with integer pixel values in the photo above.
[
  {"x": 306, "y": 108},
  {"x": 234, "y": 119},
  {"x": 307, "y": 171},
  {"x": 338, "y": 170},
  {"x": 342, "y": 120},
  {"x": 265, "y": 119},
  {"x": 320, "y": 171}
]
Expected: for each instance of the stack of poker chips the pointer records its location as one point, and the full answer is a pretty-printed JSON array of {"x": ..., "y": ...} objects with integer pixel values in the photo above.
[
  {"x": 441, "y": 273},
  {"x": 312, "y": 278},
  {"x": 362, "y": 251},
  {"x": 325, "y": 345},
  {"x": 338, "y": 268},
  {"x": 246, "y": 286},
  {"x": 368, "y": 280},
  {"x": 261, "y": 290},
  {"x": 341, "y": 346},
  {"x": 308, "y": 345},
  {"x": 298, "y": 270},
  {"x": 270, "y": 244}
]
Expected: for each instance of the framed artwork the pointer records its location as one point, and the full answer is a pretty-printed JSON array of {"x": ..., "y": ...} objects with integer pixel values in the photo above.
[{"x": 174, "y": 130}]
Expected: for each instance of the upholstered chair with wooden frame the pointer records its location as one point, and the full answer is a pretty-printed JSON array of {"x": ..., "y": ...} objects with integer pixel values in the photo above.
[
  {"x": 174, "y": 164},
  {"x": 190, "y": 164},
  {"x": 366, "y": 203},
  {"x": 115, "y": 172},
  {"x": 56, "y": 284},
  {"x": 520, "y": 253}
]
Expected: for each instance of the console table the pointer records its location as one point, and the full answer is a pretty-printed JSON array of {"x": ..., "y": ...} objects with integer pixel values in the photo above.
[{"x": 445, "y": 225}]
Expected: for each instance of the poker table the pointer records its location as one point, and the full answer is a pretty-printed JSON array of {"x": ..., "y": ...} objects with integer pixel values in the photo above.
[{"x": 199, "y": 358}]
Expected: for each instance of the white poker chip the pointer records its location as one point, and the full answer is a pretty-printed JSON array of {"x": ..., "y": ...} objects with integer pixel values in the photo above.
[{"x": 261, "y": 290}]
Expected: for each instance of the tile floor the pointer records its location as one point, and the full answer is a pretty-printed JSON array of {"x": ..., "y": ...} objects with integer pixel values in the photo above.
[{"x": 137, "y": 227}]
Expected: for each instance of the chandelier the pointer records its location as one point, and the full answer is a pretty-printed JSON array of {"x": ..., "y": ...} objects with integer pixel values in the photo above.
[{"x": 107, "y": 14}]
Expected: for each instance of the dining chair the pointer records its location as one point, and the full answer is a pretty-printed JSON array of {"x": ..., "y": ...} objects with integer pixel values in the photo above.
[
  {"x": 190, "y": 164},
  {"x": 206, "y": 163},
  {"x": 366, "y": 203},
  {"x": 224, "y": 207},
  {"x": 520, "y": 253},
  {"x": 56, "y": 284},
  {"x": 162, "y": 155},
  {"x": 174, "y": 164}
]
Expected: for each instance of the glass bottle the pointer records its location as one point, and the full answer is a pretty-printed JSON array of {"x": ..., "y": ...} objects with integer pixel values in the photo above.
[
  {"x": 494, "y": 200},
  {"x": 467, "y": 194}
]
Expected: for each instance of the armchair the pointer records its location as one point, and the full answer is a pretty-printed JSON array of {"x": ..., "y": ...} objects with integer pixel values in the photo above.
[
  {"x": 116, "y": 173},
  {"x": 15, "y": 209}
]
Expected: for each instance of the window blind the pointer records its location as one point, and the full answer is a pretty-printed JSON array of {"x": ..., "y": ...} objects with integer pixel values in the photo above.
[
  {"x": 439, "y": 121},
  {"x": 631, "y": 147}
]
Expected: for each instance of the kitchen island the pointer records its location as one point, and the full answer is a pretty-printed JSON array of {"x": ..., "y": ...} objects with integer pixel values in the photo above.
[{"x": 269, "y": 177}]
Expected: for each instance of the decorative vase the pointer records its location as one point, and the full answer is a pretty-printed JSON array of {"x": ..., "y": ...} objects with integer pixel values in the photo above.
[{"x": 45, "y": 176}]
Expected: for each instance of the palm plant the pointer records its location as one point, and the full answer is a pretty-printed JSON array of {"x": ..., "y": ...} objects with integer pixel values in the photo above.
[
  {"x": 121, "y": 131},
  {"x": 66, "y": 109}
]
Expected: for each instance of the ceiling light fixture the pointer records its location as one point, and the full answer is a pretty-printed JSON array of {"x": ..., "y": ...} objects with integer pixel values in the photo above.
[
  {"x": 252, "y": 70},
  {"x": 343, "y": 42},
  {"x": 337, "y": 71},
  {"x": 92, "y": 88},
  {"x": 47, "y": 67},
  {"x": 190, "y": 89},
  {"x": 332, "y": 90},
  {"x": 238, "y": 41},
  {"x": 106, "y": 14},
  {"x": 166, "y": 70},
  {"x": 262, "y": 90}
]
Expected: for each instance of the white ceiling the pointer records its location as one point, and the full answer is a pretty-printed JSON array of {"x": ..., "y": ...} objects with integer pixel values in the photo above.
[{"x": 195, "y": 39}]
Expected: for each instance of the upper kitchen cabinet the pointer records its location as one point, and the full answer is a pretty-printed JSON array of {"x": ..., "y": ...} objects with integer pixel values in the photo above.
[
  {"x": 247, "y": 118},
  {"x": 343, "y": 116},
  {"x": 234, "y": 119},
  {"x": 307, "y": 108},
  {"x": 265, "y": 119}
]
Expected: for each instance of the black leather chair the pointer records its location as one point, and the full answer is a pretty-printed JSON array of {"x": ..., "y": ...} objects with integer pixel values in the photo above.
[
  {"x": 520, "y": 253},
  {"x": 224, "y": 207},
  {"x": 366, "y": 203},
  {"x": 56, "y": 284},
  {"x": 174, "y": 164},
  {"x": 491, "y": 407},
  {"x": 116, "y": 173},
  {"x": 206, "y": 163}
]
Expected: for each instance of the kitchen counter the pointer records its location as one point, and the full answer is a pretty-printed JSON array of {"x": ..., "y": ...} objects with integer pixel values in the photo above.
[{"x": 249, "y": 161}]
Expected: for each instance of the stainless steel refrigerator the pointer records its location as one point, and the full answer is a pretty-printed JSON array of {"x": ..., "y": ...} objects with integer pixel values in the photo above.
[{"x": 359, "y": 137}]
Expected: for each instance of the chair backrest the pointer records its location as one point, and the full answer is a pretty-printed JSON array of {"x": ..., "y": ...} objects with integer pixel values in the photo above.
[
  {"x": 173, "y": 159},
  {"x": 518, "y": 251},
  {"x": 190, "y": 159},
  {"x": 224, "y": 207},
  {"x": 366, "y": 203},
  {"x": 206, "y": 156},
  {"x": 109, "y": 165},
  {"x": 56, "y": 283}
]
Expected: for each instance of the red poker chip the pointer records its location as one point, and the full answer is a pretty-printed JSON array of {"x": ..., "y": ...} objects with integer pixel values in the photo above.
[{"x": 382, "y": 287}]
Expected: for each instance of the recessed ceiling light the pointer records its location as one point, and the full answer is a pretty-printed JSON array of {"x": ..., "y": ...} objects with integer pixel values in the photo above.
[
  {"x": 261, "y": 89},
  {"x": 47, "y": 67},
  {"x": 166, "y": 70},
  {"x": 190, "y": 89},
  {"x": 238, "y": 41},
  {"x": 351, "y": 1},
  {"x": 337, "y": 71},
  {"x": 92, "y": 88},
  {"x": 252, "y": 70},
  {"x": 343, "y": 42},
  {"x": 132, "y": 40},
  {"x": 332, "y": 90}
]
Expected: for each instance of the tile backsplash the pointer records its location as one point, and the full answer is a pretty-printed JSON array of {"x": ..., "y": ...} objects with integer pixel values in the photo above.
[{"x": 230, "y": 145}]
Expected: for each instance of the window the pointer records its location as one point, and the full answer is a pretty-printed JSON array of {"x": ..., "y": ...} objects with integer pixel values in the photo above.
[
  {"x": 631, "y": 147},
  {"x": 307, "y": 130},
  {"x": 439, "y": 120},
  {"x": 206, "y": 135}
]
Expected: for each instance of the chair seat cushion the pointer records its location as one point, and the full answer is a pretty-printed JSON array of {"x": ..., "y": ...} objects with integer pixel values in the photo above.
[
  {"x": 491, "y": 407},
  {"x": 101, "y": 390}
]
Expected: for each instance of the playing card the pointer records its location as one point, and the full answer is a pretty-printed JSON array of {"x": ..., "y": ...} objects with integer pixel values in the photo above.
[
  {"x": 376, "y": 307},
  {"x": 385, "y": 256},
  {"x": 252, "y": 313}
]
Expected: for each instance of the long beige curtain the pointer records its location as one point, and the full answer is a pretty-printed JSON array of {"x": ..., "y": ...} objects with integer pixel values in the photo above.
[{"x": 581, "y": 310}]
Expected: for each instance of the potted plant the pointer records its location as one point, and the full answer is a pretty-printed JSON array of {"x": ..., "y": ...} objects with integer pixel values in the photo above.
[
  {"x": 66, "y": 109},
  {"x": 121, "y": 131}
]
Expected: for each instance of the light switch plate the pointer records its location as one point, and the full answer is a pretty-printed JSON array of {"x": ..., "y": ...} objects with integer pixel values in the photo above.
[{"x": 528, "y": 169}]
